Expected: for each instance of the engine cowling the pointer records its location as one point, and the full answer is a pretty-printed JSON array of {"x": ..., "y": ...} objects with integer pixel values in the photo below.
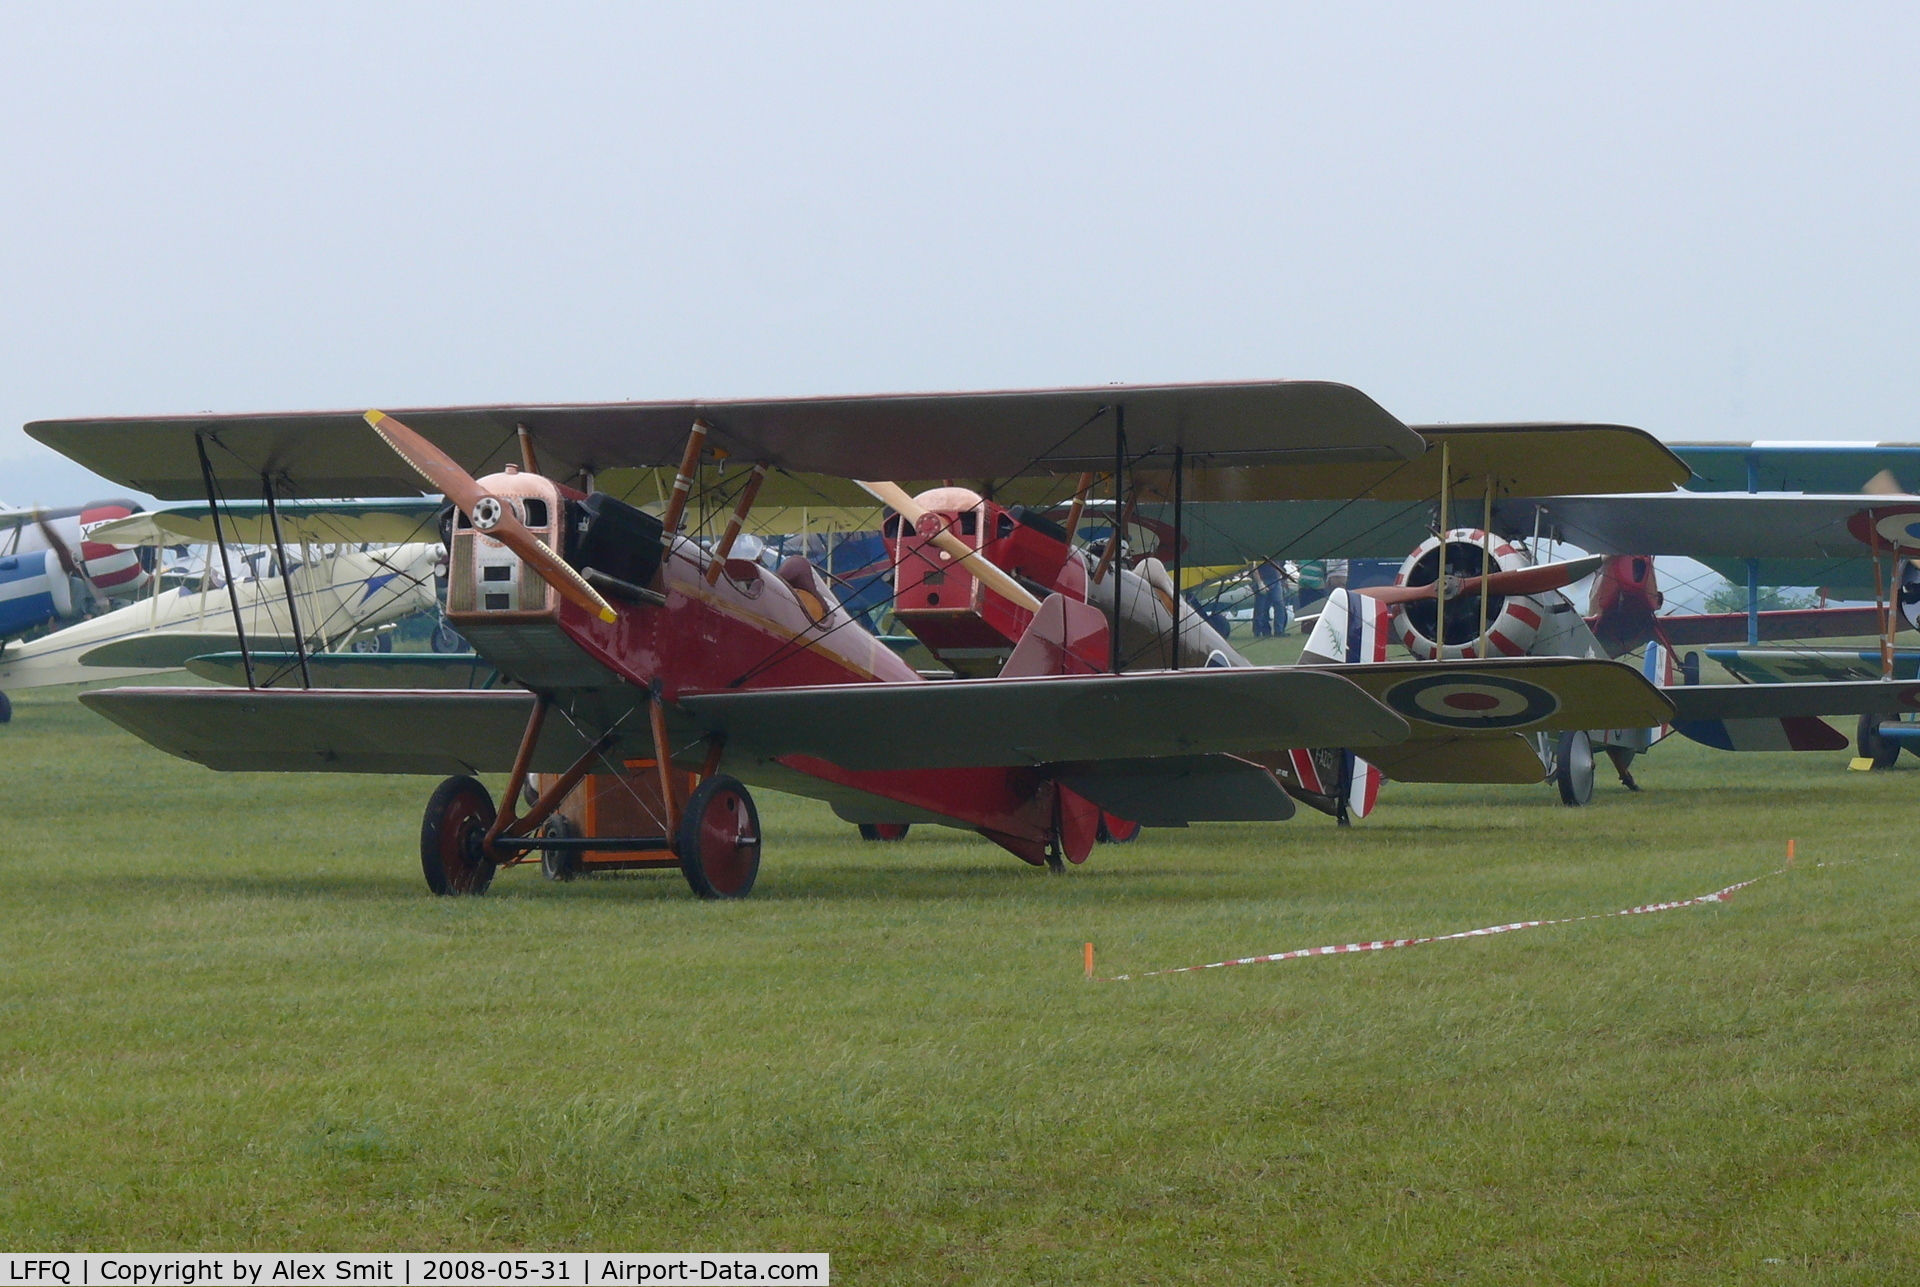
[
  {"x": 1513, "y": 621},
  {"x": 34, "y": 590},
  {"x": 115, "y": 571}
]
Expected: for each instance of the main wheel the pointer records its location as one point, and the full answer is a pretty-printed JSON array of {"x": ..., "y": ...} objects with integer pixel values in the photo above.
[
  {"x": 884, "y": 830},
  {"x": 1883, "y": 751},
  {"x": 6, "y": 709},
  {"x": 1117, "y": 831},
  {"x": 719, "y": 839},
  {"x": 558, "y": 864},
  {"x": 457, "y": 818},
  {"x": 1573, "y": 768}
]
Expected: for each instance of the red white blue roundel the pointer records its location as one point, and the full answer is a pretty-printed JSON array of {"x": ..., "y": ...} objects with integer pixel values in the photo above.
[
  {"x": 1465, "y": 700},
  {"x": 1897, "y": 527}
]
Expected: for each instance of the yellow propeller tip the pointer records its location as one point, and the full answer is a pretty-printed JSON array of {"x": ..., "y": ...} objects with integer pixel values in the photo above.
[
  {"x": 609, "y": 616},
  {"x": 375, "y": 417}
]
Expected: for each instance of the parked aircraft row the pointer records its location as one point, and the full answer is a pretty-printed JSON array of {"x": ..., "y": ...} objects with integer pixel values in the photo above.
[{"x": 659, "y": 675}]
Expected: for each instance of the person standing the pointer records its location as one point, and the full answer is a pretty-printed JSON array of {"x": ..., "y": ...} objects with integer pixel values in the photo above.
[{"x": 1269, "y": 599}]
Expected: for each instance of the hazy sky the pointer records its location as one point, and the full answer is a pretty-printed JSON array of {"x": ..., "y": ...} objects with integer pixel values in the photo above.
[{"x": 1697, "y": 219}]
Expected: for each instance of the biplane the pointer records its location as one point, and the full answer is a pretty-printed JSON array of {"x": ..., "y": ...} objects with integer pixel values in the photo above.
[
  {"x": 1476, "y": 592},
  {"x": 53, "y": 568},
  {"x": 329, "y": 588},
  {"x": 1489, "y": 598},
  {"x": 663, "y": 677}
]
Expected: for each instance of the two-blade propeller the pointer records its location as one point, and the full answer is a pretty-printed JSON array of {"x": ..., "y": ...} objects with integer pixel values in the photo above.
[
  {"x": 488, "y": 513},
  {"x": 1535, "y": 580},
  {"x": 75, "y": 568}
]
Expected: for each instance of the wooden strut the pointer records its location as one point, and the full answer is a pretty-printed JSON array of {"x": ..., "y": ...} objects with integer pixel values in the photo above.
[
  {"x": 683, "y": 482},
  {"x": 735, "y": 523},
  {"x": 528, "y": 461},
  {"x": 1079, "y": 504},
  {"x": 503, "y": 821},
  {"x": 550, "y": 799},
  {"x": 663, "y": 760}
]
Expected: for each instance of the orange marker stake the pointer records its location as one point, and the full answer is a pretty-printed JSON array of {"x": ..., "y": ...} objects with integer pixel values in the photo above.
[
  {"x": 1789, "y": 853},
  {"x": 1089, "y": 960}
]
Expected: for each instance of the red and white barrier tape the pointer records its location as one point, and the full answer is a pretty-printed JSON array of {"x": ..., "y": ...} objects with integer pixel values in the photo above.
[{"x": 1381, "y": 945}]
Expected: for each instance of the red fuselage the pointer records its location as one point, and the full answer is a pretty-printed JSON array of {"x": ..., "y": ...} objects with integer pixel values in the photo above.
[{"x": 752, "y": 628}]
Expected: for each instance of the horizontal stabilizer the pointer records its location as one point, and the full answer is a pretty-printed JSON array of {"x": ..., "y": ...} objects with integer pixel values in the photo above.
[
  {"x": 1794, "y": 733},
  {"x": 1791, "y": 665},
  {"x": 1786, "y": 623},
  {"x": 1174, "y": 790},
  {"x": 1048, "y": 719},
  {"x": 352, "y": 670},
  {"x": 171, "y": 649},
  {"x": 1778, "y": 701},
  {"x": 1792, "y": 525}
]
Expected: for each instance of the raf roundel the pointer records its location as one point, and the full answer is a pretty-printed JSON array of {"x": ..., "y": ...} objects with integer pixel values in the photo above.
[
  {"x": 1472, "y": 701},
  {"x": 1893, "y": 529}
]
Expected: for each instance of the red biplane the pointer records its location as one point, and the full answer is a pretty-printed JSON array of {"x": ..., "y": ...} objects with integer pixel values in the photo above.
[{"x": 672, "y": 674}]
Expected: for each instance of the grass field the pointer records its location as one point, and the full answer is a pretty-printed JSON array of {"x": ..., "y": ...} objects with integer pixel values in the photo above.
[{"x": 232, "y": 1018}]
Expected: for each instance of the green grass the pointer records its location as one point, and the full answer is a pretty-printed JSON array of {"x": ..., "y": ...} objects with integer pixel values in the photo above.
[{"x": 231, "y": 1017}]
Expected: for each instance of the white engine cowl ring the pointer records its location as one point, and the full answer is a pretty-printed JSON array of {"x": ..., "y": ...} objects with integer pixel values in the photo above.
[{"x": 1512, "y": 620}]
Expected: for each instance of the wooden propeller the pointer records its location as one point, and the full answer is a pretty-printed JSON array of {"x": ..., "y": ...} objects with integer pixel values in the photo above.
[
  {"x": 1548, "y": 576},
  {"x": 488, "y": 513},
  {"x": 73, "y": 567},
  {"x": 894, "y": 495}
]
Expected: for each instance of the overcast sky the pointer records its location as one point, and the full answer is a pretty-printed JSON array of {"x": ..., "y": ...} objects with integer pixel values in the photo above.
[{"x": 1700, "y": 220}]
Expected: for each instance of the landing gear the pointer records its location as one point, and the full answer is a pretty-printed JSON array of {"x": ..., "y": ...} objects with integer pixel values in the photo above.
[
  {"x": 719, "y": 839},
  {"x": 559, "y": 864},
  {"x": 1573, "y": 768},
  {"x": 456, "y": 822},
  {"x": 1622, "y": 758},
  {"x": 1117, "y": 831},
  {"x": 887, "y": 831},
  {"x": 6, "y": 710},
  {"x": 1883, "y": 751}
]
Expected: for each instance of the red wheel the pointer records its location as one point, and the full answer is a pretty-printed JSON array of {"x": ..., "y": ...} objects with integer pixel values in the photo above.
[
  {"x": 1117, "y": 831},
  {"x": 456, "y": 821},
  {"x": 884, "y": 830},
  {"x": 719, "y": 839}
]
